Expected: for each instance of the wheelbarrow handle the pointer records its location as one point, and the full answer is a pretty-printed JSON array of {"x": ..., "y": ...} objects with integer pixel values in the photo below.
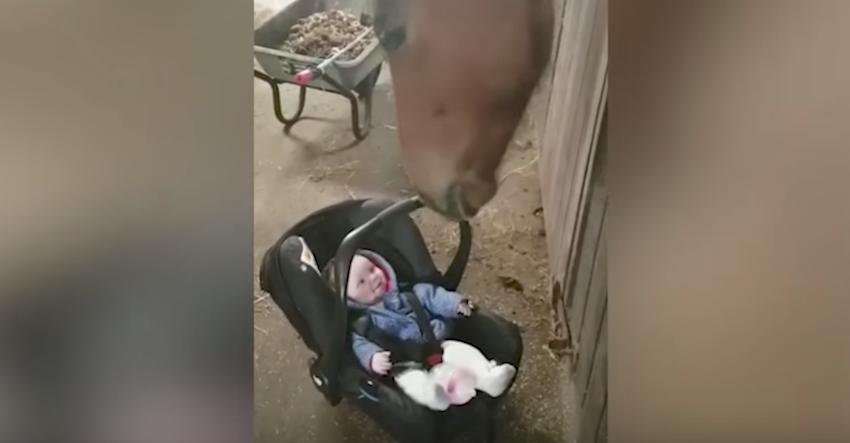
[{"x": 306, "y": 76}]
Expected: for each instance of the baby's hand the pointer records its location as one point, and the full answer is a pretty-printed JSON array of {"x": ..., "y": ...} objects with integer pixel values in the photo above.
[
  {"x": 465, "y": 308},
  {"x": 380, "y": 362}
]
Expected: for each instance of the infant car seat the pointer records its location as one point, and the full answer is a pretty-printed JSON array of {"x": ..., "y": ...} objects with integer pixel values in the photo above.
[{"x": 320, "y": 315}]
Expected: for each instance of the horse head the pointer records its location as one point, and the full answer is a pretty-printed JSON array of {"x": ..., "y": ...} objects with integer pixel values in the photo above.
[{"x": 463, "y": 73}]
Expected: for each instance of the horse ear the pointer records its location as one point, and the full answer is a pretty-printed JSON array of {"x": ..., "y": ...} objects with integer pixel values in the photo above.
[{"x": 390, "y": 23}]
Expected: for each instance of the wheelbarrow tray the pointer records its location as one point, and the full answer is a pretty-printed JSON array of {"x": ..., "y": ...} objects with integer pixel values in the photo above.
[{"x": 283, "y": 65}]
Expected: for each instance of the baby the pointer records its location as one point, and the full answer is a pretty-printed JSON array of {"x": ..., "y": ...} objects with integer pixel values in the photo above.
[{"x": 372, "y": 286}]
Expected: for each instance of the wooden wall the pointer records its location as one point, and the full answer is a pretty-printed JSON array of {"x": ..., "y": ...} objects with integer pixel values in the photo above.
[
  {"x": 572, "y": 172},
  {"x": 587, "y": 303}
]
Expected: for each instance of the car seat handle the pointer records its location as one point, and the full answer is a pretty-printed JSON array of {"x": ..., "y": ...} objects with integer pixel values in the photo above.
[
  {"x": 454, "y": 273},
  {"x": 330, "y": 363}
]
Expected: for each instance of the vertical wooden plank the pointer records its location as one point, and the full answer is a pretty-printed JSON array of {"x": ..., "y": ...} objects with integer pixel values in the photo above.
[
  {"x": 553, "y": 172},
  {"x": 585, "y": 267},
  {"x": 580, "y": 269},
  {"x": 587, "y": 112},
  {"x": 539, "y": 106},
  {"x": 594, "y": 400},
  {"x": 571, "y": 126},
  {"x": 584, "y": 363},
  {"x": 553, "y": 148},
  {"x": 602, "y": 429},
  {"x": 590, "y": 218},
  {"x": 592, "y": 315}
]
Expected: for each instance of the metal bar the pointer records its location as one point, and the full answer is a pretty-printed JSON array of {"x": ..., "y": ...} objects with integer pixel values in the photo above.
[
  {"x": 276, "y": 99},
  {"x": 345, "y": 49},
  {"x": 270, "y": 51}
]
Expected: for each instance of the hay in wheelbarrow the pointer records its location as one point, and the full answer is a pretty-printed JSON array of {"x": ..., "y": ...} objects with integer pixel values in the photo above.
[{"x": 324, "y": 33}]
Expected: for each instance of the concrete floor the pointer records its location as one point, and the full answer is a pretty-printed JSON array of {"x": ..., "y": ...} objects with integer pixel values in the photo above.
[{"x": 317, "y": 164}]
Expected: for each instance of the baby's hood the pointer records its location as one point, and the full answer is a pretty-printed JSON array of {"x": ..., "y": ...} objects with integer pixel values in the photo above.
[{"x": 383, "y": 264}]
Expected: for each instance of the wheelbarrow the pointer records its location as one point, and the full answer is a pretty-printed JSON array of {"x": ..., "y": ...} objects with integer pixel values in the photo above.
[{"x": 353, "y": 79}]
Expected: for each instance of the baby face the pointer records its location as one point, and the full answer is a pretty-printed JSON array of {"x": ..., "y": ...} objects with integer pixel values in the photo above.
[{"x": 366, "y": 282}]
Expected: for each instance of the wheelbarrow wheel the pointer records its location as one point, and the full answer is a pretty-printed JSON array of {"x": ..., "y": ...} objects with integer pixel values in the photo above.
[
  {"x": 361, "y": 104},
  {"x": 278, "y": 107}
]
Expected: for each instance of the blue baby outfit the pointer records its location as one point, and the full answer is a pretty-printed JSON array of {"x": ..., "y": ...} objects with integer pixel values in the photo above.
[{"x": 395, "y": 317}]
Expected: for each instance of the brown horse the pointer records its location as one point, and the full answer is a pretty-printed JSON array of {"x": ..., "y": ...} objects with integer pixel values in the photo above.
[{"x": 463, "y": 73}]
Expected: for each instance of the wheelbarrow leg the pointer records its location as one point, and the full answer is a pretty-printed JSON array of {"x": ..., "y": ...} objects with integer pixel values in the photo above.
[
  {"x": 278, "y": 108},
  {"x": 361, "y": 131},
  {"x": 365, "y": 90},
  {"x": 362, "y": 93}
]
